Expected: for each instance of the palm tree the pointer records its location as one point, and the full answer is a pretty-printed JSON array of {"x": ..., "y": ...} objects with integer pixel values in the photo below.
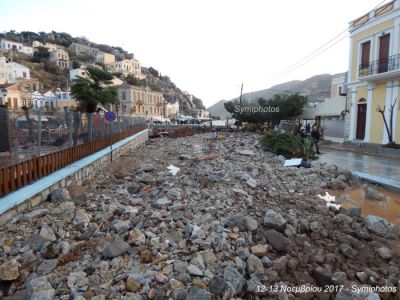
[{"x": 93, "y": 90}]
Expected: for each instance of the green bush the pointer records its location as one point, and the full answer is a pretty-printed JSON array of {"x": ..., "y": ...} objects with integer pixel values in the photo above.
[{"x": 288, "y": 145}]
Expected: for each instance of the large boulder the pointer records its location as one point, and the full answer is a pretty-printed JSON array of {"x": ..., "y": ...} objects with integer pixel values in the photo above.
[
  {"x": 381, "y": 227},
  {"x": 373, "y": 194}
]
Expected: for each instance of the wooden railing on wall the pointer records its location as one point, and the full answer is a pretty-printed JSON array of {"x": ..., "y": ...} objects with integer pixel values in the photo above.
[{"x": 16, "y": 176}]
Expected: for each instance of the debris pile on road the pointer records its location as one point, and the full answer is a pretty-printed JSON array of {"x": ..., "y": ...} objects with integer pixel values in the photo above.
[{"x": 230, "y": 223}]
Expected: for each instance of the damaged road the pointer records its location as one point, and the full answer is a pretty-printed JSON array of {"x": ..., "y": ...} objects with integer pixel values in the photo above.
[{"x": 229, "y": 222}]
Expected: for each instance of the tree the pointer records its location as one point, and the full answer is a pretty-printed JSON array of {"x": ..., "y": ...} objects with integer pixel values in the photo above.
[
  {"x": 388, "y": 127},
  {"x": 132, "y": 80},
  {"x": 41, "y": 53},
  {"x": 94, "y": 90},
  {"x": 280, "y": 107},
  {"x": 30, "y": 123}
]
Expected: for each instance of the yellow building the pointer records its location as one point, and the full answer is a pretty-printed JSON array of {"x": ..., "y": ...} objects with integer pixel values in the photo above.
[
  {"x": 127, "y": 67},
  {"x": 105, "y": 58},
  {"x": 140, "y": 101},
  {"x": 60, "y": 58},
  {"x": 374, "y": 74}
]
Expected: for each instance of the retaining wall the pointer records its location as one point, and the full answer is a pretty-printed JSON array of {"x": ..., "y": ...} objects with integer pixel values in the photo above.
[{"x": 29, "y": 196}]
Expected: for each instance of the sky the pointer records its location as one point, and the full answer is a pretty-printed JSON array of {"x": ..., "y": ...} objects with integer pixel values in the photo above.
[{"x": 207, "y": 47}]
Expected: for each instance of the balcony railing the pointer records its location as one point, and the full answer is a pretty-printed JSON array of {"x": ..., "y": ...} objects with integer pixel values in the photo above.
[{"x": 379, "y": 66}]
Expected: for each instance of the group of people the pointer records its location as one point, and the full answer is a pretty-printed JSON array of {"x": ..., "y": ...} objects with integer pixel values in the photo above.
[{"x": 315, "y": 132}]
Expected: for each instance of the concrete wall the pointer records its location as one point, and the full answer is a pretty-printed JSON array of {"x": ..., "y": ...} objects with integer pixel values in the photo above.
[{"x": 29, "y": 196}]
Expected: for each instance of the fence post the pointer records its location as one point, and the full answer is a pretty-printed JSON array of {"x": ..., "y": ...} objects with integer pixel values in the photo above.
[
  {"x": 70, "y": 127},
  {"x": 39, "y": 131},
  {"x": 16, "y": 145}
]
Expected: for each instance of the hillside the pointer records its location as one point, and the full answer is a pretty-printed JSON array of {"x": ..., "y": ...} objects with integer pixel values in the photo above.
[
  {"x": 52, "y": 77},
  {"x": 316, "y": 88}
]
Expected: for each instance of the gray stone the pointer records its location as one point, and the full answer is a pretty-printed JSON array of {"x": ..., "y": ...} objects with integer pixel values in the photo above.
[
  {"x": 47, "y": 266},
  {"x": 322, "y": 276},
  {"x": 235, "y": 278},
  {"x": 277, "y": 240},
  {"x": 339, "y": 278},
  {"x": 40, "y": 289},
  {"x": 266, "y": 262},
  {"x": 373, "y": 194},
  {"x": 60, "y": 195},
  {"x": 196, "y": 293},
  {"x": 133, "y": 189},
  {"x": 347, "y": 251},
  {"x": 116, "y": 248},
  {"x": 120, "y": 226},
  {"x": 35, "y": 214},
  {"x": 180, "y": 266},
  {"x": 384, "y": 252},
  {"x": 381, "y": 227},
  {"x": 254, "y": 265},
  {"x": 251, "y": 182},
  {"x": 47, "y": 233},
  {"x": 161, "y": 203},
  {"x": 250, "y": 224},
  {"x": 217, "y": 286},
  {"x": 146, "y": 167},
  {"x": 273, "y": 219},
  {"x": 194, "y": 270},
  {"x": 81, "y": 218}
]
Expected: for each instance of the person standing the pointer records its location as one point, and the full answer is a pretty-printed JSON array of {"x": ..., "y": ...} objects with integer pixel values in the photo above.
[{"x": 315, "y": 134}]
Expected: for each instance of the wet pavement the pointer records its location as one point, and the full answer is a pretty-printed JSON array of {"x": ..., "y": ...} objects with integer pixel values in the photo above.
[{"x": 375, "y": 165}]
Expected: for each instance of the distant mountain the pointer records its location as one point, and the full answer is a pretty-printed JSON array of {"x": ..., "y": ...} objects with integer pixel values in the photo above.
[
  {"x": 218, "y": 110},
  {"x": 316, "y": 88}
]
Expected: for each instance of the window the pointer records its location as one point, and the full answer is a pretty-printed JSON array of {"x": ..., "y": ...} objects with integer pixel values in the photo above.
[
  {"x": 123, "y": 95},
  {"x": 24, "y": 74}
]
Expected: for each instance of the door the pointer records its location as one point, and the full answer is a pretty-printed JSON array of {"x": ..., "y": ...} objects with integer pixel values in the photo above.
[
  {"x": 383, "y": 53},
  {"x": 361, "y": 120}
]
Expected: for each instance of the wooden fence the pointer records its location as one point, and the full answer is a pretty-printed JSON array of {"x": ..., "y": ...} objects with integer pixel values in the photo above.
[{"x": 21, "y": 174}]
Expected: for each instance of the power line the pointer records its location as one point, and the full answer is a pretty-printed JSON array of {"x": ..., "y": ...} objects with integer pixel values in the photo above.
[{"x": 315, "y": 53}]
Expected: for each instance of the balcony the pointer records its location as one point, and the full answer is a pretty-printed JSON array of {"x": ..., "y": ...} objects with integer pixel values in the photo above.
[{"x": 380, "y": 69}]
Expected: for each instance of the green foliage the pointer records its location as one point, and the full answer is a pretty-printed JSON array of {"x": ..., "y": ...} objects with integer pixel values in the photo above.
[
  {"x": 280, "y": 107},
  {"x": 94, "y": 90},
  {"x": 288, "y": 145},
  {"x": 132, "y": 80},
  {"x": 153, "y": 72},
  {"x": 198, "y": 103},
  {"x": 41, "y": 54},
  {"x": 154, "y": 87},
  {"x": 76, "y": 64}
]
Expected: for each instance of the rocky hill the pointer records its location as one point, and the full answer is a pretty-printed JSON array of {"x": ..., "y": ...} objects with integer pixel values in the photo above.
[
  {"x": 316, "y": 88},
  {"x": 52, "y": 77}
]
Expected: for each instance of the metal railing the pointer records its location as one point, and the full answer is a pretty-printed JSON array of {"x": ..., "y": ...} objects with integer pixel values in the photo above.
[{"x": 379, "y": 66}]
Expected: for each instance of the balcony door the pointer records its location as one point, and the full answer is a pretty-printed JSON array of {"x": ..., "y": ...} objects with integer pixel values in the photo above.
[
  {"x": 365, "y": 50},
  {"x": 383, "y": 53}
]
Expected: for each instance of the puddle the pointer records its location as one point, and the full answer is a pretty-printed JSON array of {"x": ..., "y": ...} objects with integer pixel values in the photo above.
[{"x": 388, "y": 209}]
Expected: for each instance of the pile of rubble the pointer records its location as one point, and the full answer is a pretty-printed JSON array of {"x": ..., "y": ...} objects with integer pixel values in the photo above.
[{"x": 226, "y": 220}]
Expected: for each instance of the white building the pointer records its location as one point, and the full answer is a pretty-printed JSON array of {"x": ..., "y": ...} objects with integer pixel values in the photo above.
[
  {"x": 74, "y": 73},
  {"x": 19, "y": 71},
  {"x": 37, "y": 99},
  {"x": 6, "y": 75},
  {"x": 10, "y": 45},
  {"x": 172, "y": 109}
]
